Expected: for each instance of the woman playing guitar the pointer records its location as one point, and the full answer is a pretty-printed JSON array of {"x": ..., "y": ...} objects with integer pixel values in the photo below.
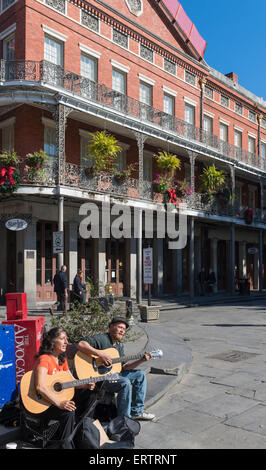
[{"x": 51, "y": 359}]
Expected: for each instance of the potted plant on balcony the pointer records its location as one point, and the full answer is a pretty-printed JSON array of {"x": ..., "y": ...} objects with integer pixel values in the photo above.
[
  {"x": 9, "y": 172},
  {"x": 167, "y": 162},
  {"x": 212, "y": 180},
  {"x": 36, "y": 163},
  {"x": 121, "y": 176},
  {"x": 103, "y": 149}
]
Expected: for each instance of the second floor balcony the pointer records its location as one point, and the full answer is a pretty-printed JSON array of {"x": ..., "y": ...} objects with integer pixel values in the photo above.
[
  {"x": 77, "y": 178},
  {"x": 53, "y": 77}
]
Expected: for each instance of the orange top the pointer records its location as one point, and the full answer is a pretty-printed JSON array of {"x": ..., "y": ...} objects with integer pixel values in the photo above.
[{"x": 49, "y": 362}]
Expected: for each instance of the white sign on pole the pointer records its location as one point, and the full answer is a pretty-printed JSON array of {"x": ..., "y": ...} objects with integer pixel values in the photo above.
[
  {"x": 58, "y": 242},
  {"x": 147, "y": 266}
]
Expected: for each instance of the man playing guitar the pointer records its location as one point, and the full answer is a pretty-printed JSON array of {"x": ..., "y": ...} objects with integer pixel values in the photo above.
[{"x": 131, "y": 385}]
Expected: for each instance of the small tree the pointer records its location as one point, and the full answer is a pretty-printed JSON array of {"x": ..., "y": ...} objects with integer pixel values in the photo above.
[
  {"x": 167, "y": 162},
  {"x": 103, "y": 149},
  {"x": 212, "y": 179}
]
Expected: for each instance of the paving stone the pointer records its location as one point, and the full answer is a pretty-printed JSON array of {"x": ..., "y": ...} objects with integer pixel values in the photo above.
[
  {"x": 189, "y": 420},
  {"x": 252, "y": 420},
  {"x": 223, "y": 405}
]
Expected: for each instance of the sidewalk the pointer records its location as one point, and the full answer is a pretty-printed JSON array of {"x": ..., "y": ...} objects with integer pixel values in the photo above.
[{"x": 163, "y": 373}]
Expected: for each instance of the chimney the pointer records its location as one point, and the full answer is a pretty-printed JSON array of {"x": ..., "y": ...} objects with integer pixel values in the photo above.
[{"x": 233, "y": 76}]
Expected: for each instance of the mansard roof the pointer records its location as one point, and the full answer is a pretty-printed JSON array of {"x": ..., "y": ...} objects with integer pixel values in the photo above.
[{"x": 188, "y": 31}]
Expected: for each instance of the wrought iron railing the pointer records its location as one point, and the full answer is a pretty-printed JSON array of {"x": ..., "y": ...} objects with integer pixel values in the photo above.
[
  {"x": 56, "y": 76},
  {"x": 78, "y": 177}
]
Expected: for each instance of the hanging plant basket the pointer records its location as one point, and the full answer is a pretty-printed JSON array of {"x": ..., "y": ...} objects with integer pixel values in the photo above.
[{"x": 103, "y": 149}]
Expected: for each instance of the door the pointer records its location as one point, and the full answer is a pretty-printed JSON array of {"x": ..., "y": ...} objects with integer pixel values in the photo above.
[
  {"x": 85, "y": 260},
  {"x": 185, "y": 267},
  {"x": 46, "y": 261},
  {"x": 115, "y": 265},
  {"x": 168, "y": 268},
  {"x": 221, "y": 265},
  {"x": 250, "y": 267}
]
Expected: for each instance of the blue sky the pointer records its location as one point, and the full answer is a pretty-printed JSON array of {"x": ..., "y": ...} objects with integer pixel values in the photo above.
[{"x": 235, "y": 31}]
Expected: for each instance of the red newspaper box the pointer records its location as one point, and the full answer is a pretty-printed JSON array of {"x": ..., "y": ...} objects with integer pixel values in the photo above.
[
  {"x": 16, "y": 305},
  {"x": 28, "y": 335}
]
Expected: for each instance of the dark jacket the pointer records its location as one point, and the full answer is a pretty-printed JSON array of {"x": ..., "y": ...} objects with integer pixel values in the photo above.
[
  {"x": 78, "y": 286},
  {"x": 211, "y": 278},
  {"x": 60, "y": 282},
  {"x": 202, "y": 277}
]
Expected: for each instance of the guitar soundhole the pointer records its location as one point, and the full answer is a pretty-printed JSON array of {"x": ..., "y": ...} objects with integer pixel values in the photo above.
[{"x": 57, "y": 387}]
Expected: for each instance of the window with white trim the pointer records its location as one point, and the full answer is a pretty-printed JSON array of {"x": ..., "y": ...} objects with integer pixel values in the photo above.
[
  {"x": 50, "y": 139},
  {"x": 238, "y": 142},
  {"x": 9, "y": 47},
  {"x": 169, "y": 104},
  {"x": 54, "y": 53},
  {"x": 190, "y": 120},
  {"x": 251, "y": 144},
  {"x": 89, "y": 72},
  {"x": 53, "y": 50},
  {"x": 145, "y": 100},
  {"x": 119, "y": 85},
  {"x": 190, "y": 114},
  {"x": 85, "y": 161},
  {"x": 224, "y": 132}
]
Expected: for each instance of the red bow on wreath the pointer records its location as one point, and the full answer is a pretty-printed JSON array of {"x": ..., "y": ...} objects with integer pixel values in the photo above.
[
  {"x": 172, "y": 196},
  {"x": 7, "y": 173}
]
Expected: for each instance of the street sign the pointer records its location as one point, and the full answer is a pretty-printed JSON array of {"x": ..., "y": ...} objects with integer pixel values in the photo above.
[
  {"x": 58, "y": 242},
  {"x": 16, "y": 224},
  {"x": 147, "y": 266},
  {"x": 252, "y": 250}
]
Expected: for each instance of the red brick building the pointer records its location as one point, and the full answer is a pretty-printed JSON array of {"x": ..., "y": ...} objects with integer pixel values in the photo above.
[{"x": 136, "y": 69}]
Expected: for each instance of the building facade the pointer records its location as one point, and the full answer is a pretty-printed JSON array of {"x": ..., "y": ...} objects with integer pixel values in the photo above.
[{"x": 135, "y": 69}]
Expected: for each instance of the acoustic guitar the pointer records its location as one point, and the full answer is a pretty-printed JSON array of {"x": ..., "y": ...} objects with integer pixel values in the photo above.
[
  {"x": 61, "y": 384},
  {"x": 89, "y": 364}
]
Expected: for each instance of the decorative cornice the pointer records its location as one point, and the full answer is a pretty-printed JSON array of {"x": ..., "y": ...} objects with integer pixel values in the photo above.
[{"x": 83, "y": 4}]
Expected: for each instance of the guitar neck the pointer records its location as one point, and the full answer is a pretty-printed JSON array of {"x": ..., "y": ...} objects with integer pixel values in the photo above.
[
  {"x": 77, "y": 383},
  {"x": 127, "y": 358}
]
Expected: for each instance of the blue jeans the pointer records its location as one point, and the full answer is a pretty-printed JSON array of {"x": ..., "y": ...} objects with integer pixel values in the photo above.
[{"x": 131, "y": 392}]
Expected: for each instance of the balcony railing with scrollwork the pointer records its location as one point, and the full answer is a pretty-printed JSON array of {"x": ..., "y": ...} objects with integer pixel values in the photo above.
[
  {"x": 45, "y": 176},
  {"x": 46, "y": 73},
  {"x": 76, "y": 176}
]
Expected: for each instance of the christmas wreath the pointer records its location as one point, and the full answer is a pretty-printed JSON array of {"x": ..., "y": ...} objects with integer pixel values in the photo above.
[
  {"x": 9, "y": 179},
  {"x": 9, "y": 173}
]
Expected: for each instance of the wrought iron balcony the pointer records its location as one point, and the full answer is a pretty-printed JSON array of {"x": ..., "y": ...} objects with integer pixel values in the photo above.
[{"x": 48, "y": 74}]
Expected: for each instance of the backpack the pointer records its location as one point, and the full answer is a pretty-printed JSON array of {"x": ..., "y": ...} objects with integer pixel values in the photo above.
[
  {"x": 87, "y": 435},
  {"x": 123, "y": 430}
]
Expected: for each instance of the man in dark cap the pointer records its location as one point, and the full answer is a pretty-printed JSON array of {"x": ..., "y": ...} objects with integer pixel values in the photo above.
[{"x": 131, "y": 385}]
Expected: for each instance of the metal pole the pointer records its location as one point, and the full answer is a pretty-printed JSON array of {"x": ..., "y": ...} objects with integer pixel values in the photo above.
[
  {"x": 191, "y": 259},
  {"x": 139, "y": 257},
  {"x": 260, "y": 260},
  {"x": 233, "y": 259},
  {"x": 60, "y": 256}
]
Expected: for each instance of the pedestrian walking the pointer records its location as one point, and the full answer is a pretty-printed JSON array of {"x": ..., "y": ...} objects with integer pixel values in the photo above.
[
  {"x": 202, "y": 281},
  {"x": 61, "y": 289},
  {"x": 79, "y": 288}
]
